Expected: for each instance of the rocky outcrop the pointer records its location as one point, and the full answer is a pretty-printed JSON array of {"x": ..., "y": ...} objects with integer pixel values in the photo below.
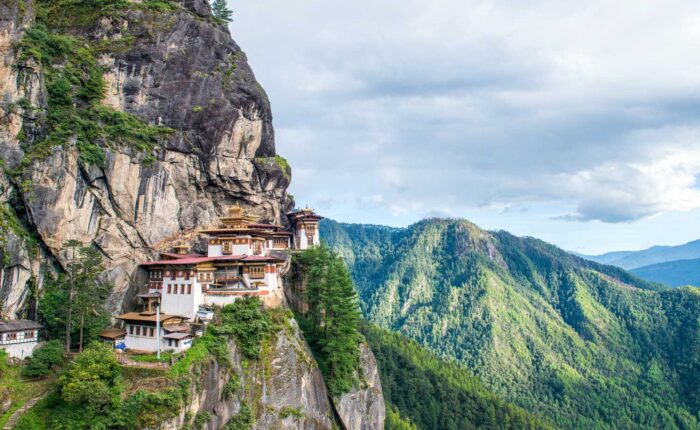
[
  {"x": 176, "y": 68},
  {"x": 283, "y": 390},
  {"x": 363, "y": 408}
]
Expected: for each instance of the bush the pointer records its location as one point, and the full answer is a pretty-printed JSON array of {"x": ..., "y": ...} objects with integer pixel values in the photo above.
[
  {"x": 231, "y": 387},
  {"x": 247, "y": 323},
  {"x": 45, "y": 359},
  {"x": 243, "y": 421},
  {"x": 93, "y": 379},
  {"x": 201, "y": 420}
]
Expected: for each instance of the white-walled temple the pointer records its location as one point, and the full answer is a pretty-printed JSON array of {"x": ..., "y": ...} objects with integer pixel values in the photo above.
[
  {"x": 239, "y": 262},
  {"x": 243, "y": 259}
]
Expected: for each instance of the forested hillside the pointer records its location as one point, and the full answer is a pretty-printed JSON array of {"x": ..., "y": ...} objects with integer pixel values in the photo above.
[
  {"x": 586, "y": 345},
  {"x": 434, "y": 394}
]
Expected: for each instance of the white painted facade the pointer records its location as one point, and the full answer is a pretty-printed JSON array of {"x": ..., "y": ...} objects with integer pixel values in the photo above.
[
  {"x": 140, "y": 337},
  {"x": 20, "y": 350},
  {"x": 302, "y": 240},
  {"x": 180, "y": 294},
  {"x": 19, "y": 344},
  {"x": 214, "y": 251},
  {"x": 183, "y": 291}
]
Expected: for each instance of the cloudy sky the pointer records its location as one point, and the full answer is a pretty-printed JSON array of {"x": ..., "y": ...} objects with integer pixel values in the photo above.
[{"x": 574, "y": 122}]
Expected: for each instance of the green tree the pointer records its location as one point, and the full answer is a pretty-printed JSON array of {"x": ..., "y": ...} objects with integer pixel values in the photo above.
[
  {"x": 93, "y": 380},
  {"x": 90, "y": 293},
  {"x": 221, "y": 11},
  {"x": 72, "y": 303},
  {"x": 333, "y": 317},
  {"x": 44, "y": 359}
]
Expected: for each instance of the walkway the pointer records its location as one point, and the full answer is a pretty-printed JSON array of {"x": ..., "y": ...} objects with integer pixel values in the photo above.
[{"x": 12, "y": 422}]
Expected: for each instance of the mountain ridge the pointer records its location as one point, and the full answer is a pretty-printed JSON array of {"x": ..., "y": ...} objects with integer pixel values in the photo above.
[
  {"x": 676, "y": 273},
  {"x": 645, "y": 257},
  {"x": 588, "y": 345}
]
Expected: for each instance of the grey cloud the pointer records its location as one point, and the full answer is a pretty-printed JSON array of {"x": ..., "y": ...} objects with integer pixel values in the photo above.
[{"x": 474, "y": 107}]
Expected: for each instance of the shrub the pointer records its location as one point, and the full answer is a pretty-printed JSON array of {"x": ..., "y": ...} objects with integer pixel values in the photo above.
[
  {"x": 231, "y": 387},
  {"x": 201, "y": 420},
  {"x": 93, "y": 379},
  {"x": 243, "y": 421},
  {"x": 45, "y": 359},
  {"x": 247, "y": 323}
]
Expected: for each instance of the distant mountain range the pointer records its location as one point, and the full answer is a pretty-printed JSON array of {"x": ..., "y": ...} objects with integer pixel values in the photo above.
[
  {"x": 672, "y": 273},
  {"x": 674, "y": 266},
  {"x": 656, "y": 254}
]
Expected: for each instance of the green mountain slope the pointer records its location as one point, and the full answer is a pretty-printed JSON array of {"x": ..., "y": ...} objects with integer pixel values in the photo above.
[
  {"x": 672, "y": 273},
  {"x": 434, "y": 394},
  {"x": 587, "y": 345}
]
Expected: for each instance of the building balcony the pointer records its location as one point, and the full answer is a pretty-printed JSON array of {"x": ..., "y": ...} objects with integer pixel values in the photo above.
[{"x": 230, "y": 275}]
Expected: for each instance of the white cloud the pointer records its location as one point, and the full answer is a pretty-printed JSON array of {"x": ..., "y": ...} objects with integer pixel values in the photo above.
[{"x": 453, "y": 106}]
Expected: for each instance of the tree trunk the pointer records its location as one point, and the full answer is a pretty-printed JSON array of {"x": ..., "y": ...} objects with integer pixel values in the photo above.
[
  {"x": 69, "y": 317},
  {"x": 82, "y": 325}
]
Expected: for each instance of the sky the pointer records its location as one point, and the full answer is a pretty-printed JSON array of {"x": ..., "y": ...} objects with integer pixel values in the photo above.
[{"x": 574, "y": 122}]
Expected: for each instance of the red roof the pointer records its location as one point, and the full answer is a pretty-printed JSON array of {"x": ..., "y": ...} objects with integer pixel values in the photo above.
[
  {"x": 304, "y": 214},
  {"x": 197, "y": 260}
]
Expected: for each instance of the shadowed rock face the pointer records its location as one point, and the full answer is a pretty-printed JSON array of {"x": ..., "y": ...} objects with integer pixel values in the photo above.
[
  {"x": 178, "y": 69},
  {"x": 285, "y": 388},
  {"x": 363, "y": 408}
]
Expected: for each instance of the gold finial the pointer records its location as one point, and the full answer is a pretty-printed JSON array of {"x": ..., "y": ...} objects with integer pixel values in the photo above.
[{"x": 235, "y": 210}]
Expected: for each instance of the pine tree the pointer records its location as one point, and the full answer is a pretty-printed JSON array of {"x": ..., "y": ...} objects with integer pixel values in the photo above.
[
  {"x": 332, "y": 321},
  {"x": 221, "y": 11}
]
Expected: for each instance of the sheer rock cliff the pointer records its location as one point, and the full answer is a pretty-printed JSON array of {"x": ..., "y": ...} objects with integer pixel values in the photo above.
[{"x": 176, "y": 68}]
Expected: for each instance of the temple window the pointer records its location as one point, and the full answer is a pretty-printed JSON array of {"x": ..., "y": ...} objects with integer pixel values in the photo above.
[{"x": 257, "y": 272}]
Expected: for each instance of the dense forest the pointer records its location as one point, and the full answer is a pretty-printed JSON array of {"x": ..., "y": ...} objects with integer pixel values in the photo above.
[
  {"x": 430, "y": 393},
  {"x": 582, "y": 344}
]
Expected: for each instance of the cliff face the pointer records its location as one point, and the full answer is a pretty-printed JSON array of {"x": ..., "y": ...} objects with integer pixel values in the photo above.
[
  {"x": 171, "y": 66},
  {"x": 282, "y": 390},
  {"x": 362, "y": 408}
]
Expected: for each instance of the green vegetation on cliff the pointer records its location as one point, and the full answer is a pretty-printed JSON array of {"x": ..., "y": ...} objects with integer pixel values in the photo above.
[
  {"x": 75, "y": 86},
  {"x": 331, "y": 324},
  {"x": 434, "y": 394},
  {"x": 585, "y": 345},
  {"x": 94, "y": 391}
]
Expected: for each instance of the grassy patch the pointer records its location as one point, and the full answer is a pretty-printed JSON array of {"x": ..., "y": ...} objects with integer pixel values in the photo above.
[
  {"x": 165, "y": 357},
  {"x": 20, "y": 390}
]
